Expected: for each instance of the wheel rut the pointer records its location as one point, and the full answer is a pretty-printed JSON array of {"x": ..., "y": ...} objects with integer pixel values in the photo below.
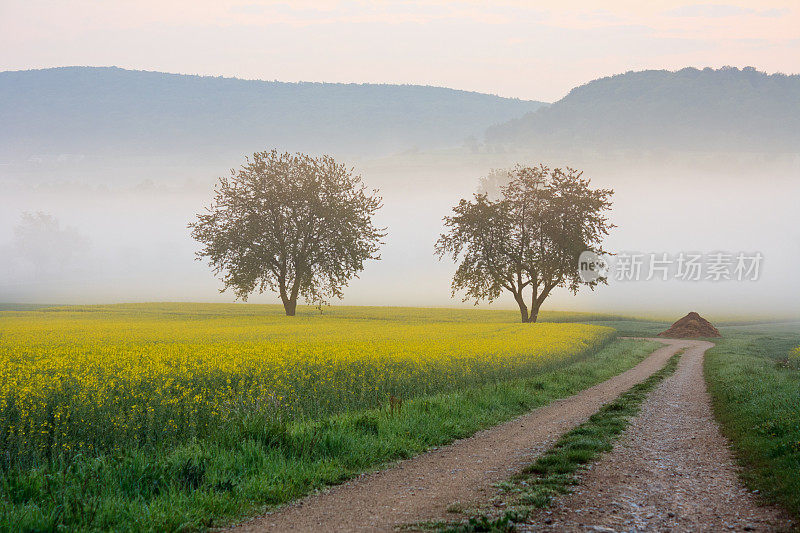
[
  {"x": 423, "y": 487},
  {"x": 671, "y": 471}
]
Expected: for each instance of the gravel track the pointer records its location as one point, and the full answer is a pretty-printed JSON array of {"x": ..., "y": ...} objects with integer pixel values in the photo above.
[
  {"x": 671, "y": 471},
  {"x": 423, "y": 487}
]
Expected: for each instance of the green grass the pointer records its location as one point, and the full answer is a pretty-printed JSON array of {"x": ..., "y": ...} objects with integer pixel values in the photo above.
[
  {"x": 371, "y": 313},
  {"x": 210, "y": 482},
  {"x": 756, "y": 396},
  {"x": 6, "y": 307},
  {"x": 627, "y": 327},
  {"x": 556, "y": 471}
]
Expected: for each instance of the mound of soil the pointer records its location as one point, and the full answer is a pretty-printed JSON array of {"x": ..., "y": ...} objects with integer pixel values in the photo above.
[{"x": 690, "y": 326}]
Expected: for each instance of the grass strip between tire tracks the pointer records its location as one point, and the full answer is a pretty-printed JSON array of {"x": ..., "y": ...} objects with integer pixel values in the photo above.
[{"x": 557, "y": 470}]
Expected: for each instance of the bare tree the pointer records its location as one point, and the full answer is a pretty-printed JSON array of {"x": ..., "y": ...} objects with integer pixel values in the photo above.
[
  {"x": 528, "y": 240},
  {"x": 290, "y": 223}
]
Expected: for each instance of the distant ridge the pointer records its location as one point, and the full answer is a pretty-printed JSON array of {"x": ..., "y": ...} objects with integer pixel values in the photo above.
[
  {"x": 109, "y": 110},
  {"x": 723, "y": 110}
]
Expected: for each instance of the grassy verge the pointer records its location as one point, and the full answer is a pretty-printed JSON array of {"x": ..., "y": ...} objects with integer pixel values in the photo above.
[
  {"x": 755, "y": 390},
  {"x": 556, "y": 471},
  {"x": 633, "y": 328},
  {"x": 207, "y": 483}
]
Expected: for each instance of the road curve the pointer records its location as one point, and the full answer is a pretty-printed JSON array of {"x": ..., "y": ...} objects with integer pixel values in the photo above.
[
  {"x": 671, "y": 471},
  {"x": 422, "y": 488}
]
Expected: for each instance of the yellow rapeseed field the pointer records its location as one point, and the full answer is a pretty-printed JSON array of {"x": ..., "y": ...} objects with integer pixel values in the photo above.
[
  {"x": 794, "y": 356},
  {"x": 101, "y": 379}
]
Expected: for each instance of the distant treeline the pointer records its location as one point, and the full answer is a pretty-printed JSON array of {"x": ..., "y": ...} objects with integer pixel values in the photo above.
[
  {"x": 78, "y": 112},
  {"x": 724, "y": 110},
  {"x": 112, "y": 111}
]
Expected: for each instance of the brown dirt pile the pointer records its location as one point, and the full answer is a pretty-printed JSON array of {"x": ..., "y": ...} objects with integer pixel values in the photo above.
[{"x": 690, "y": 326}]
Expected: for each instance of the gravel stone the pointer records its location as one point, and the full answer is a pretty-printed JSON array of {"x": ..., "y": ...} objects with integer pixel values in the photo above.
[{"x": 672, "y": 469}]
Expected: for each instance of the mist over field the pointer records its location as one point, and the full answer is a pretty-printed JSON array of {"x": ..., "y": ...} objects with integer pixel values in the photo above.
[{"x": 99, "y": 212}]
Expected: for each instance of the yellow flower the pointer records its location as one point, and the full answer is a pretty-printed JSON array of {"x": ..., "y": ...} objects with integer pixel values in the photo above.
[{"x": 104, "y": 378}]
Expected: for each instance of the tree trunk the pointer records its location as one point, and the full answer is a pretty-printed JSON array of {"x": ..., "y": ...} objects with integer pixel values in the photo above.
[
  {"x": 536, "y": 302},
  {"x": 290, "y": 306},
  {"x": 523, "y": 309}
]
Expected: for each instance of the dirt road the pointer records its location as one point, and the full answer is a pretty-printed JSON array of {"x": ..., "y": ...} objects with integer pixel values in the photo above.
[
  {"x": 672, "y": 471},
  {"x": 422, "y": 488}
]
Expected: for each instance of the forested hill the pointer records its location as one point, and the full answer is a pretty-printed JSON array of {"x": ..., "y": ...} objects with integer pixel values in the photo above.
[
  {"x": 112, "y": 111},
  {"x": 725, "y": 110}
]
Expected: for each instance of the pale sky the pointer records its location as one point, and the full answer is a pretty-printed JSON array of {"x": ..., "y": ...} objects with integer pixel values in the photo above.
[{"x": 531, "y": 50}]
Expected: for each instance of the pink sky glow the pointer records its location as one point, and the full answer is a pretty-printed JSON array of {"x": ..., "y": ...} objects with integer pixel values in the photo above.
[{"x": 532, "y": 50}]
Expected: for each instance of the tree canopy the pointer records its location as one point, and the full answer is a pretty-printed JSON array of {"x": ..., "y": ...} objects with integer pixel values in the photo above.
[
  {"x": 297, "y": 225},
  {"x": 528, "y": 240}
]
